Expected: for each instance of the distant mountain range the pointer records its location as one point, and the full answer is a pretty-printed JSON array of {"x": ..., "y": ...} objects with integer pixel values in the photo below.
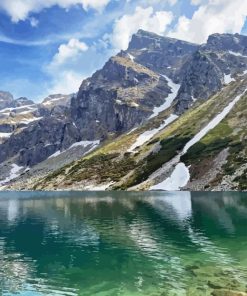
[{"x": 163, "y": 115}]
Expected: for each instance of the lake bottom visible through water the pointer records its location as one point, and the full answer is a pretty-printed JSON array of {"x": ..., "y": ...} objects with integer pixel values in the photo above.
[{"x": 123, "y": 243}]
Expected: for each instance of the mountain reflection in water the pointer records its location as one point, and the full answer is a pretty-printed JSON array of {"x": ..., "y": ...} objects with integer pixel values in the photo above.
[{"x": 122, "y": 243}]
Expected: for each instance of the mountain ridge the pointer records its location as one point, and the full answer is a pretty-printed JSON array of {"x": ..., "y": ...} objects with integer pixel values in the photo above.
[{"x": 132, "y": 91}]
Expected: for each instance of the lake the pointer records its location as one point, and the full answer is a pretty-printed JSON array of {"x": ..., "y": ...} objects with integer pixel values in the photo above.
[{"x": 122, "y": 243}]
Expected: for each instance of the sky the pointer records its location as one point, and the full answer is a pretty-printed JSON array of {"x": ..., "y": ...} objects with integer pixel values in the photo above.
[{"x": 50, "y": 46}]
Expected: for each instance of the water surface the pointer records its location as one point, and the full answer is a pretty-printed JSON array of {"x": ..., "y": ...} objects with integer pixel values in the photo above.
[{"x": 119, "y": 243}]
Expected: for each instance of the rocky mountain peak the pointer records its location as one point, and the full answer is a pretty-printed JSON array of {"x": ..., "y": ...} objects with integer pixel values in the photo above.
[
  {"x": 119, "y": 71},
  {"x": 123, "y": 95},
  {"x": 228, "y": 42},
  {"x": 6, "y": 96},
  {"x": 56, "y": 100},
  {"x": 144, "y": 40},
  {"x": 23, "y": 101},
  {"x": 161, "y": 54},
  {"x": 6, "y": 99}
]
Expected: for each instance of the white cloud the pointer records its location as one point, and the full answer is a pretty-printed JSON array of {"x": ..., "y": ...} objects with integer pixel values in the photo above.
[
  {"x": 73, "y": 62},
  {"x": 142, "y": 18},
  {"x": 20, "y": 9},
  {"x": 153, "y": 2},
  {"x": 172, "y": 2},
  {"x": 34, "y": 22},
  {"x": 65, "y": 79},
  {"x": 67, "y": 52},
  {"x": 216, "y": 16},
  {"x": 196, "y": 2},
  {"x": 65, "y": 82}
]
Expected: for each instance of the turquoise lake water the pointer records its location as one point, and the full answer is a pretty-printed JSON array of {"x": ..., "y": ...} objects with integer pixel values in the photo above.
[{"x": 122, "y": 243}]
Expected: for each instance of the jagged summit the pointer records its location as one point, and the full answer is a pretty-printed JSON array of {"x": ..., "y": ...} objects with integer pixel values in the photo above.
[
  {"x": 228, "y": 42},
  {"x": 56, "y": 99},
  {"x": 7, "y": 101},
  {"x": 5, "y": 95},
  {"x": 147, "y": 34},
  {"x": 155, "y": 81},
  {"x": 147, "y": 40},
  {"x": 217, "y": 41}
]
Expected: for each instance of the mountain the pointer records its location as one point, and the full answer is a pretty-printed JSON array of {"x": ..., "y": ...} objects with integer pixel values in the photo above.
[
  {"x": 7, "y": 101},
  {"x": 211, "y": 67},
  {"x": 163, "y": 55},
  {"x": 13, "y": 113},
  {"x": 163, "y": 108},
  {"x": 206, "y": 143},
  {"x": 17, "y": 115},
  {"x": 117, "y": 98},
  {"x": 32, "y": 132}
]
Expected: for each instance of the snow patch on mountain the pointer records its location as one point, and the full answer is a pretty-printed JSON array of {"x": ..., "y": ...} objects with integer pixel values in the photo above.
[
  {"x": 83, "y": 144},
  {"x": 55, "y": 154},
  {"x": 212, "y": 124},
  {"x": 5, "y": 135},
  {"x": 131, "y": 57},
  {"x": 14, "y": 173},
  {"x": 27, "y": 121},
  {"x": 237, "y": 54},
  {"x": 102, "y": 187},
  {"x": 178, "y": 179},
  {"x": 14, "y": 109},
  {"x": 180, "y": 175},
  {"x": 242, "y": 74},
  {"x": 174, "y": 90},
  {"x": 228, "y": 79},
  {"x": 147, "y": 135}
]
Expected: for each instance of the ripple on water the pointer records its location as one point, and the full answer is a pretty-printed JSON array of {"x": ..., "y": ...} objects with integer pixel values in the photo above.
[{"x": 122, "y": 244}]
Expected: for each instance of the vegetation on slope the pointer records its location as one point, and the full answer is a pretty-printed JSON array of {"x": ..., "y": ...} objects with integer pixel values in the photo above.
[
  {"x": 111, "y": 163},
  {"x": 230, "y": 134},
  {"x": 174, "y": 137}
]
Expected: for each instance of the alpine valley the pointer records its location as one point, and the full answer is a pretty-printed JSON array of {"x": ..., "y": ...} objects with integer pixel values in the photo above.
[{"x": 163, "y": 115}]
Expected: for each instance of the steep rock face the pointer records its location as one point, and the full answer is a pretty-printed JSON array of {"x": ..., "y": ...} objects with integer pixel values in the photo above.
[
  {"x": 214, "y": 133},
  {"x": 202, "y": 78},
  {"x": 32, "y": 132},
  {"x": 228, "y": 42},
  {"x": 122, "y": 95},
  {"x": 54, "y": 136},
  {"x": 161, "y": 54},
  {"x": 202, "y": 70},
  {"x": 56, "y": 100},
  {"x": 218, "y": 62},
  {"x": 6, "y": 128},
  {"x": 6, "y": 99},
  {"x": 117, "y": 98},
  {"x": 12, "y": 108},
  {"x": 38, "y": 141},
  {"x": 22, "y": 101},
  {"x": 13, "y": 113}
]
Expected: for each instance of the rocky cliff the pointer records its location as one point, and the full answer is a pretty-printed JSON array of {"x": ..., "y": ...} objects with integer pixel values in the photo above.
[
  {"x": 138, "y": 93},
  {"x": 203, "y": 149},
  {"x": 117, "y": 98}
]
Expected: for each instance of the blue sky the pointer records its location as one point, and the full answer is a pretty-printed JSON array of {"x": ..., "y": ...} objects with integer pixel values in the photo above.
[{"x": 50, "y": 46}]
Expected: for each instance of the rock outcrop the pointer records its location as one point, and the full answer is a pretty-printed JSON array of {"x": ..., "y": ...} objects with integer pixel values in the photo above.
[
  {"x": 125, "y": 94},
  {"x": 117, "y": 98},
  {"x": 6, "y": 100},
  {"x": 161, "y": 54},
  {"x": 31, "y": 132}
]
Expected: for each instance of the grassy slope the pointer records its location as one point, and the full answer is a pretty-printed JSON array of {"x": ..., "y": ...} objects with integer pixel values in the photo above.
[
  {"x": 230, "y": 134},
  {"x": 111, "y": 163}
]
